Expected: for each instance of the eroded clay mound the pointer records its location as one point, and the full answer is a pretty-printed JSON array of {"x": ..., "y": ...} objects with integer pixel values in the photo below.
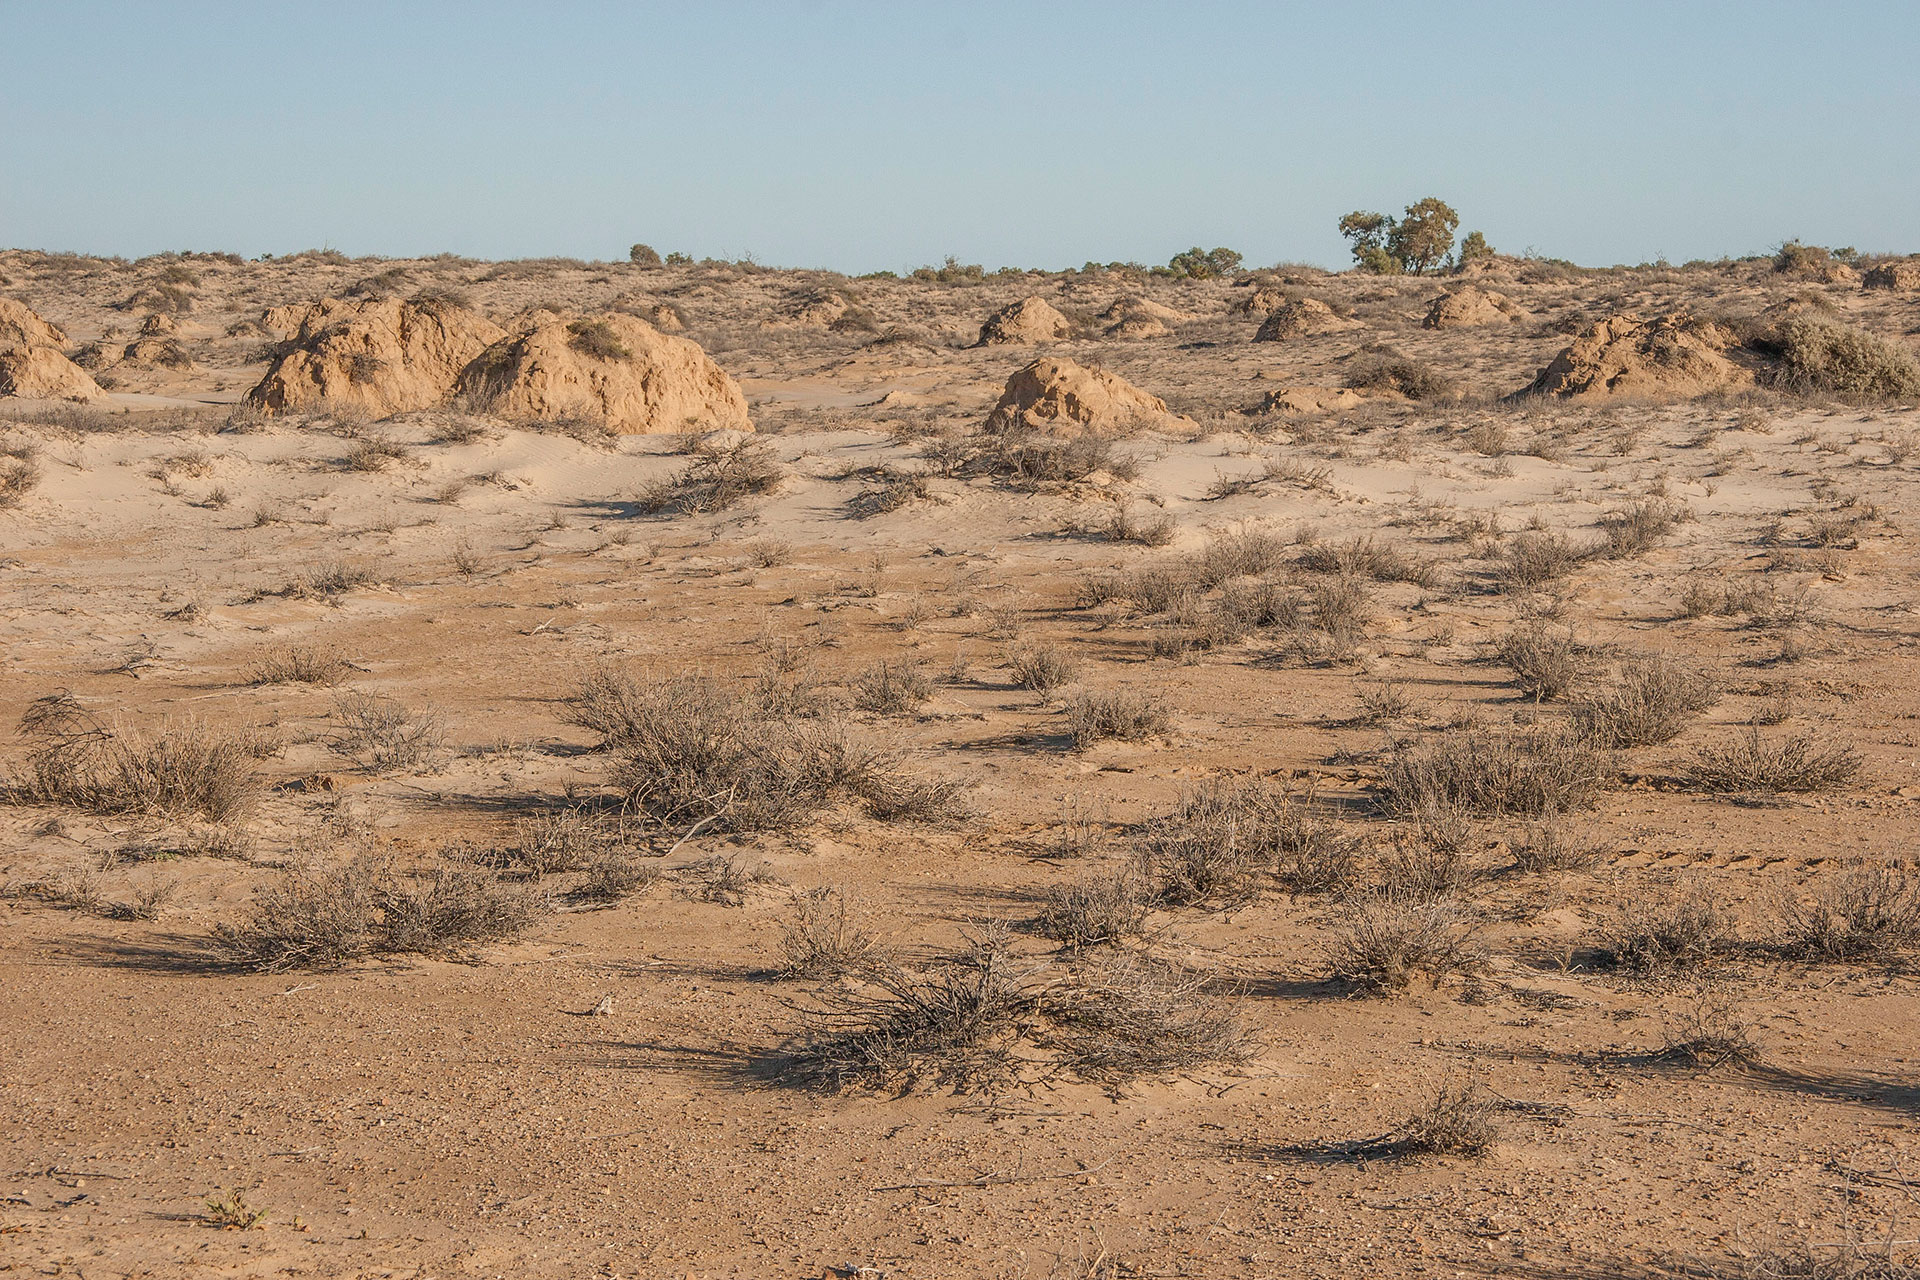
[
  {"x": 1302, "y": 319},
  {"x": 21, "y": 327},
  {"x": 613, "y": 368},
  {"x": 383, "y": 356},
  {"x": 1903, "y": 277},
  {"x": 32, "y": 365},
  {"x": 1666, "y": 358},
  {"x": 1291, "y": 401},
  {"x": 1058, "y": 395},
  {"x": 1262, "y": 300},
  {"x": 1028, "y": 320},
  {"x": 816, "y": 309},
  {"x": 1135, "y": 318},
  {"x": 1469, "y": 306}
]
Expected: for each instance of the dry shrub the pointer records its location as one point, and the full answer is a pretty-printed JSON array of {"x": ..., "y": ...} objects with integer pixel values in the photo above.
[
  {"x": 898, "y": 797},
  {"x": 1478, "y": 772},
  {"x": 1130, "y": 1017},
  {"x": 1095, "y": 911},
  {"x": 1433, "y": 863},
  {"x": 1546, "y": 661},
  {"x": 981, "y": 1019},
  {"x": 1868, "y": 912},
  {"x": 891, "y": 687},
  {"x": 1220, "y": 840},
  {"x": 1096, "y": 715},
  {"x": 689, "y": 749},
  {"x": 1382, "y": 941},
  {"x": 1384, "y": 369},
  {"x": 1799, "y": 763},
  {"x": 954, "y": 1025},
  {"x": 1639, "y": 526},
  {"x": 1342, "y": 608},
  {"x": 1553, "y": 845},
  {"x": 18, "y": 476},
  {"x": 821, "y": 938},
  {"x": 1709, "y": 1030},
  {"x": 1677, "y": 929},
  {"x": 299, "y": 664},
  {"x": 1041, "y": 667},
  {"x": 721, "y": 475},
  {"x": 1647, "y": 702},
  {"x": 1030, "y": 461},
  {"x": 323, "y": 919},
  {"x": 1822, "y": 357},
  {"x": 334, "y": 578},
  {"x": 1537, "y": 558},
  {"x": 384, "y": 733},
  {"x": 1362, "y": 557},
  {"x": 570, "y": 839},
  {"x": 185, "y": 769},
  {"x": 724, "y": 881},
  {"x": 894, "y": 491},
  {"x": 1457, "y": 1121}
]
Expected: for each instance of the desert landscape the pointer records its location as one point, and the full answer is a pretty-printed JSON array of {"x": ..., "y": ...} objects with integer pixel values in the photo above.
[{"x": 683, "y": 768}]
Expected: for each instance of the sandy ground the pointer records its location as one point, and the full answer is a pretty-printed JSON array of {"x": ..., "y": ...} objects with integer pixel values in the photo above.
[{"x": 474, "y": 1116}]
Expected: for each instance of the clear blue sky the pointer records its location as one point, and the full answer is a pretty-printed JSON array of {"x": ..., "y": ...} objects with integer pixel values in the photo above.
[{"x": 865, "y": 136}]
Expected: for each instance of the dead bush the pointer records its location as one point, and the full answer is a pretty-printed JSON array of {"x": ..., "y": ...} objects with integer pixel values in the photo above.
[
  {"x": 1362, "y": 557},
  {"x": 1553, "y": 845},
  {"x": 1041, "y": 667},
  {"x": 1096, "y": 715},
  {"x": 1545, "y": 660},
  {"x": 724, "y": 881},
  {"x": 955, "y": 1024},
  {"x": 1382, "y": 941},
  {"x": 1220, "y": 839},
  {"x": 891, "y": 687},
  {"x": 185, "y": 769},
  {"x": 899, "y": 797},
  {"x": 690, "y": 749},
  {"x": 1457, "y": 1121},
  {"x": 323, "y": 919},
  {"x": 18, "y": 477},
  {"x": 821, "y": 939},
  {"x": 1130, "y": 1016},
  {"x": 721, "y": 475},
  {"x": 1708, "y": 1030},
  {"x": 1638, "y": 527},
  {"x": 1799, "y": 763},
  {"x": 1493, "y": 774},
  {"x": 1537, "y": 558},
  {"x": 299, "y": 664},
  {"x": 1869, "y": 911},
  {"x": 981, "y": 1019},
  {"x": 1092, "y": 912},
  {"x": 1820, "y": 357},
  {"x": 1677, "y": 929},
  {"x": 384, "y": 733},
  {"x": 1647, "y": 702}
]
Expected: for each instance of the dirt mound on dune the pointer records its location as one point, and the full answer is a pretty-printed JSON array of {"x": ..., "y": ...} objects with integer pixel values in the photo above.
[
  {"x": 1903, "y": 277},
  {"x": 1028, "y": 320},
  {"x": 1291, "y": 401},
  {"x": 43, "y": 373},
  {"x": 1263, "y": 300},
  {"x": 383, "y": 356},
  {"x": 816, "y": 309},
  {"x": 615, "y": 369},
  {"x": 1134, "y": 318},
  {"x": 1302, "y": 319},
  {"x": 21, "y": 327},
  {"x": 1469, "y": 306},
  {"x": 32, "y": 365},
  {"x": 1666, "y": 358},
  {"x": 1058, "y": 395}
]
